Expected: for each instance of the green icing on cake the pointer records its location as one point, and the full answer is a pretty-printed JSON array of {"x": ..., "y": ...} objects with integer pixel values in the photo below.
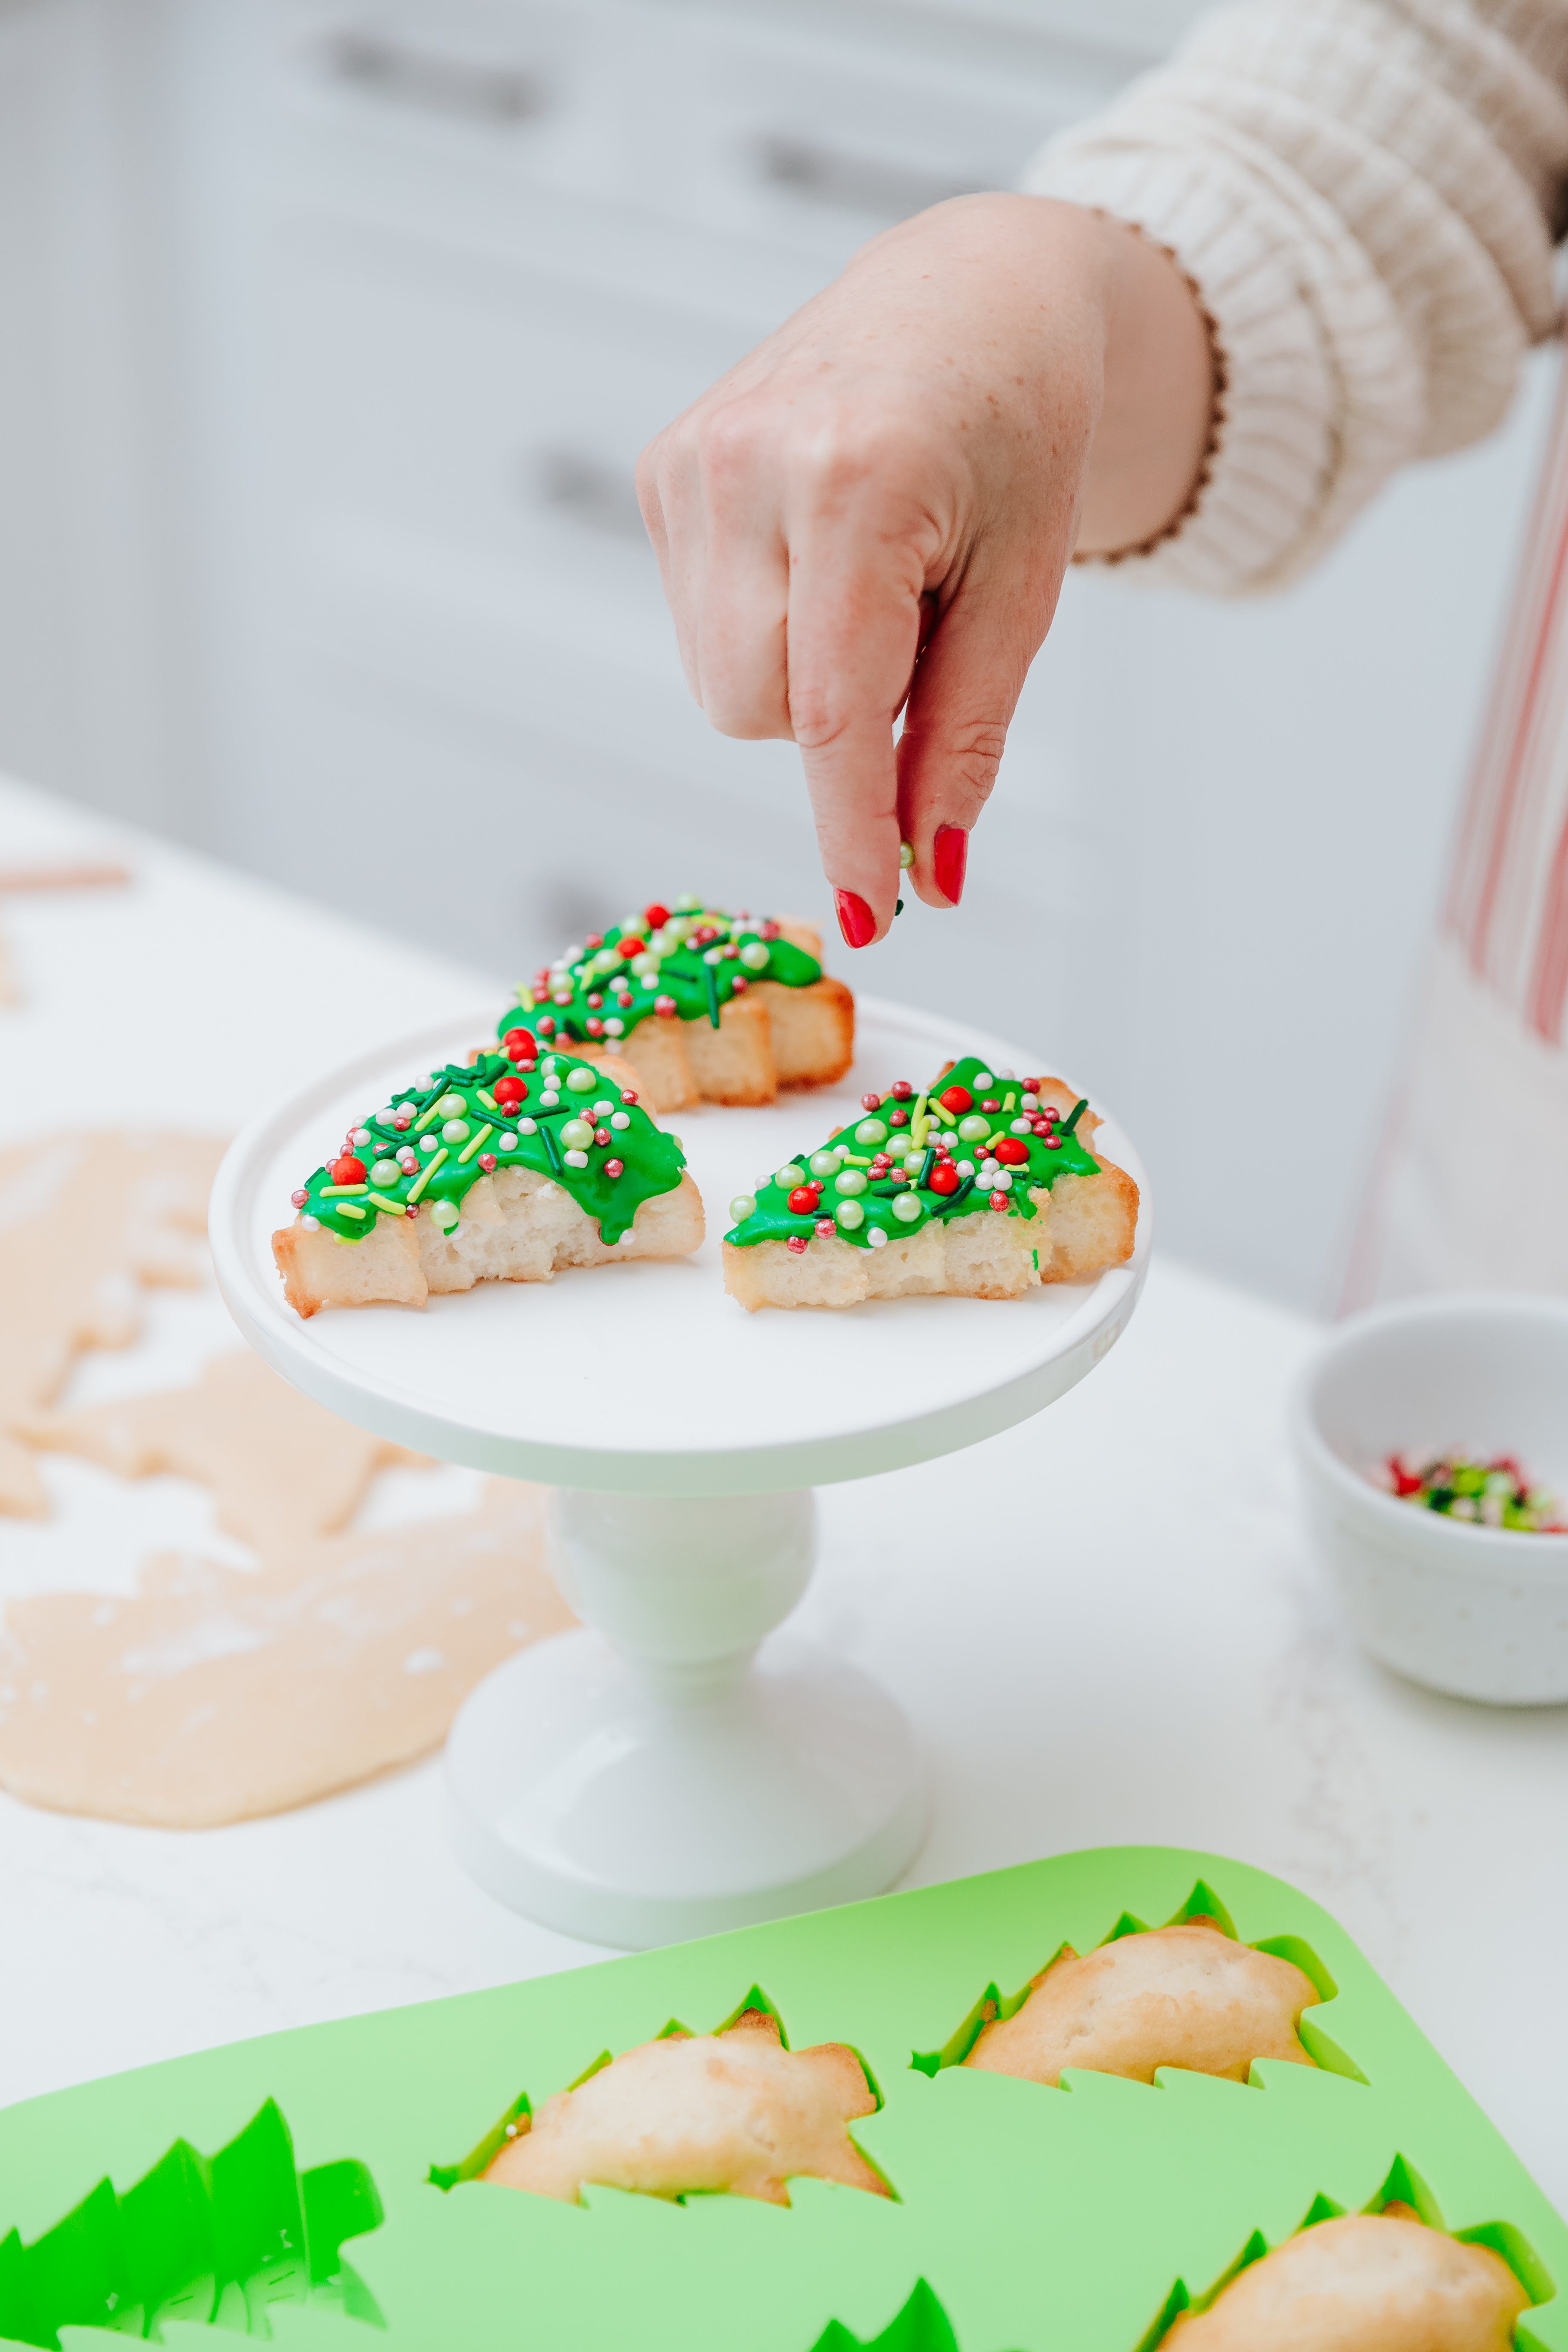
[
  {"x": 562, "y": 1119},
  {"x": 868, "y": 1186},
  {"x": 683, "y": 965}
]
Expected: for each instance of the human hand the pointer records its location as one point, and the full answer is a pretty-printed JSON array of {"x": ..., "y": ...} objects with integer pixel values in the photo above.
[{"x": 873, "y": 512}]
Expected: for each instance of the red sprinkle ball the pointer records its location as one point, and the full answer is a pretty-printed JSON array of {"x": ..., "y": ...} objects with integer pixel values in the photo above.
[
  {"x": 666, "y": 1007},
  {"x": 510, "y": 1091},
  {"x": 614, "y": 1166},
  {"x": 805, "y": 1199},
  {"x": 486, "y": 1162},
  {"x": 631, "y": 947},
  {"x": 348, "y": 1169},
  {"x": 601, "y": 1136},
  {"x": 655, "y": 916},
  {"x": 944, "y": 1177},
  {"x": 300, "y": 1198},
  {"x": 594, "y": 939},
  {"x": 797, "y": 1240},
  {"x": 1011, "y": 1150},
  {"x": 825, "y": 1225},
  {"x": 998, "y": 1200},
  {"x": 957, "y": 1099},
  {"x": 740, "y": 984},
  {"x": 628, "y": 1094},
  {"x": 902, "y": 1090},
  {"x": 593, "y": 1026},
  {"x": 871, "y": 1102}
]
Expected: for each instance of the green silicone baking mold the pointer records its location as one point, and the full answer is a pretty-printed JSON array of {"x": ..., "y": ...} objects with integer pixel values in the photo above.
[{"x": 1022, "y": 2218}]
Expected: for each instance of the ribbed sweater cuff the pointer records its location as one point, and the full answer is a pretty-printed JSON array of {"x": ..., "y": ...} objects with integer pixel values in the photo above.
[{"x": 1283, "y": 472}]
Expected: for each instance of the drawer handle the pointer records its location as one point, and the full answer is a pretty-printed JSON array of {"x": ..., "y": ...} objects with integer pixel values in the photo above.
[
  {"x": 587, "y": 490},
  {"x": 851, "y": 182},
  {"x": 378, "y": 67}
]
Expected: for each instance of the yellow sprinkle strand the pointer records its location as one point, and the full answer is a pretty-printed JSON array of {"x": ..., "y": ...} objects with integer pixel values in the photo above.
[
  {"x": 526, "y": 999},
  {"x": 392, "y": 1208},
  {"x": 347, "y": 1209},
  {"x": 425, "y": 1117},
  {"x": 333, "y": 1191},
  {"x": 426, "y": 1173},
  {"x": 480, "y": 1096},
  {"x": 474, "y": 1143}
]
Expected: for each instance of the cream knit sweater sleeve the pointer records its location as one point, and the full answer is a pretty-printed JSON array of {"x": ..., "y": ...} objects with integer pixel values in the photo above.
[{"x": 1364, "y": 193}]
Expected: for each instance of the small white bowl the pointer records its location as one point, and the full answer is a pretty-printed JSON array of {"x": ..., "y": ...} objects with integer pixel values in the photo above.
[{"x": 1475, "y": 1610}]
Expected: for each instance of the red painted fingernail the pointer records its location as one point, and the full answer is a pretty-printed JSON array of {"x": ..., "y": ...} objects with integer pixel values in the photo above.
[
  {"x": 948, "y": 857},
  {"x": 855, "y": 921}
]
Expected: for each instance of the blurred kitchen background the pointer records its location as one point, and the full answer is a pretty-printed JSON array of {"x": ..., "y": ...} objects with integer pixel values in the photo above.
[{"x": 333, "y": 331}]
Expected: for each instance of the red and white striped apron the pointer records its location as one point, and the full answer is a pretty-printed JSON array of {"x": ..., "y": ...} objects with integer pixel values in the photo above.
[{"x": 1471, "y": 1185}]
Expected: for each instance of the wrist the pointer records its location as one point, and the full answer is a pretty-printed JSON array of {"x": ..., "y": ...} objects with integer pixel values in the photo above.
[{"x": 1156, "y": 421}]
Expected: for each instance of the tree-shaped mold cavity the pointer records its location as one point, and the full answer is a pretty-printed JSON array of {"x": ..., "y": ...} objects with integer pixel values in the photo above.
[
  {"x": 676, "y": 2116},
  {"x": 218, "y": 2239},
  {"x": 921, "y": 2325},
  {"x": 1401, "y": 2196},
  {"x": 1291, "y": 1990}
]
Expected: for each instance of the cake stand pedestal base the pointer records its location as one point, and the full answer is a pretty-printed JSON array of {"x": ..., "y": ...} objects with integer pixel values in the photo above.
[
  {"x": 676, "y": 1769},
  {"x": 670, "y": 1774}
]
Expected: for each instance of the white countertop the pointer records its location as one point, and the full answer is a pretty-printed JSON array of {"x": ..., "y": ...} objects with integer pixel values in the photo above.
[{"x": 1165, "y": 1667}]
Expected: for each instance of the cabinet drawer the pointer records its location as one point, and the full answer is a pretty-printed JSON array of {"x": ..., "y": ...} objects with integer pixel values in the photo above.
[
  {"x": 810, "y": 132},
  {"x": 502, "y": 414}
]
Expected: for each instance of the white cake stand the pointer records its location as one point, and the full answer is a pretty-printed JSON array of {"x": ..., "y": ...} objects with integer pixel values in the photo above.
[{"x": 673, "y": 1771}]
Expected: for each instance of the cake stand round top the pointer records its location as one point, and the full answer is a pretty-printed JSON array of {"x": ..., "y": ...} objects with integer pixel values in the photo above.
[{"x": 647, "y": 1378}]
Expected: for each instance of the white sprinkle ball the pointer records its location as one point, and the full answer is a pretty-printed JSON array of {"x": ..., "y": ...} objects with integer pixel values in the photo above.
[
  {"x": 876, "y": 1238},
  {"x": 527, "y": 1126},
  {"x": 617, "y": 1118},
  {"x": 311, "y": 1224},
  {"x": 427, "y": 1143}
]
